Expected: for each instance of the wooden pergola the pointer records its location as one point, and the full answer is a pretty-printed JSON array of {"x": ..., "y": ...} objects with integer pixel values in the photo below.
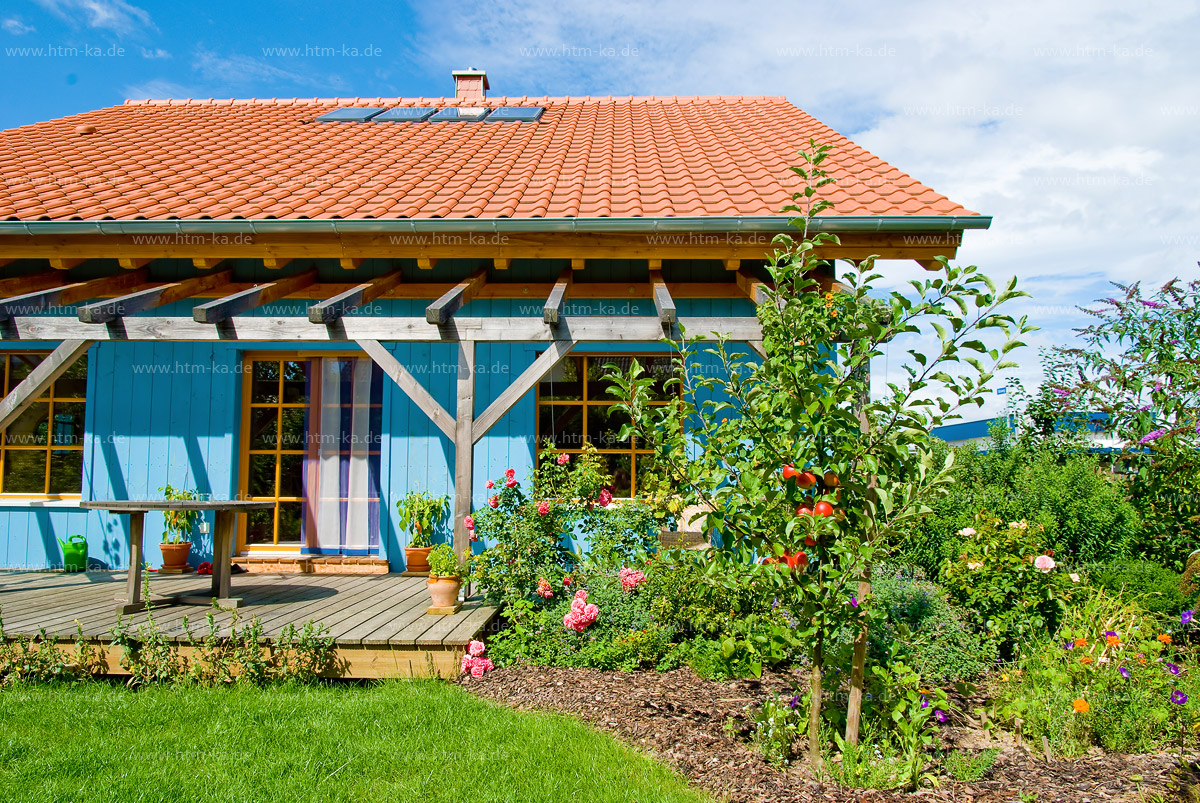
[{"x": 117, "y": 304}]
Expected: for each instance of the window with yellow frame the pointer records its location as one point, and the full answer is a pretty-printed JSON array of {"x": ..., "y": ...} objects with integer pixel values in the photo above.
[
  {"x": 41, "y": 453},
  {"x": 573, "y": 409}
]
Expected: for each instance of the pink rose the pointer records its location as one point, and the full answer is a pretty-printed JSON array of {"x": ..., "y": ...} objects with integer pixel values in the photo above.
[
  {"x": 630, "y": 578},
  {"x": 510, "y": 473},
  {"x": 490, "y": 485},
  {"x": 472, "y": 537},
  {"x": 1045, "y": 563},
  {"x": 476, "y": 648},
  {"x": 563, "y": 458},
  {"x": 567, "y": 580},
  {"x": 477, "y": 670},
  {"x": 469, "y": 522},
  {"x": 494, "y": 501},
  {"x": 543, "y": 508},
  {"x": 511, "y": 483},
  {"x": 605, "y": 497}
]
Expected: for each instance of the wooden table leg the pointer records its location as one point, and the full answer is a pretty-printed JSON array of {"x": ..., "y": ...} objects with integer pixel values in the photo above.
[
  {"x": 132, "y": 602},
  {"x": 222, "y": 558}
]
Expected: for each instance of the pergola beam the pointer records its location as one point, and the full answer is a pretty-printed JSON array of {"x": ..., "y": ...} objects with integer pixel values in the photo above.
[
  {"x": 121, "y": 306},
  {"x": 440, "y": 311},
  {"x": 275, "y": 263},
  {"x": 332, "y": 309},
  {"x": 663, "y": 303},
  {"x": 295, "y": 329},
  {"x": 66, "y": 264},
  {"x": 752, "y": 287},
  {"x": 205, "y": 263},
  {"x": 40, "y": 379},
  {"x": 66, "y": 294},
  {"x": 555, "y": 305},
  {"x": 27, "y": 284},
  {"x": 225, "y": 308},
  {"x": 520, "y": 386},
  {"x": 464, "y": 446},
  {"x": 133, "y": 263},
  {"x": 409, "y": 384}
]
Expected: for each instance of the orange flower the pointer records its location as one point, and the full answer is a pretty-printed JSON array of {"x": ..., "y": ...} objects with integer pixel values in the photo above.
[
  {"x": 1141, "y": 659},
  {"x": 1164, "y": 638},
  {"x": 1112, "y": 640},
  {"x": 1085, "y": 660},
  {"x": 833, "y": 313},
  {"x": 1080, "y": 642},
  {"x": 1081, "y": 706}
]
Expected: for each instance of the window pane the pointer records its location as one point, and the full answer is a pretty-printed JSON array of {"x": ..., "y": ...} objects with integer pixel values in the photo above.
[
  {"x": 264, "y": 424},
  {"x": 649, "y": 477},
  {"x": 604, "y": 427},
  {"x": 290, "y": 515},
  {"x": 620, "y": 467},
  {"x": 68, "y": 424},
  {"x": 661, "y": 370},
  {"x": 264, "y": 388},
  {"x": 262, "y": 475},
  {"x": 19, "y": 367},
  {"x": 597, "y": 385},
  {"x": 260, "y": 529},
  {"x": 291, "y": 475},
  {"x": 30, "y": 428},
  {"x": 295, "y": 428},
  {"x": 66, "y": 471},
  {"x": 295, "y": 382},
  {"x": 561, "y": 424},
  {"x": 563, "y": 383},
  {"x": 24, "y": 472},
  {"x": 73, "y": 384}
]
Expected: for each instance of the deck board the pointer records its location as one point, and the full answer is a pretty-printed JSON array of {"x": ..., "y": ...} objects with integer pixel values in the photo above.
[{"x": 370, "y": 617}]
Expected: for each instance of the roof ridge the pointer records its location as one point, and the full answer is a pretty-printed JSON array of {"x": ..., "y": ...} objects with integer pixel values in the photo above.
[{"x": 492, "y": 101}]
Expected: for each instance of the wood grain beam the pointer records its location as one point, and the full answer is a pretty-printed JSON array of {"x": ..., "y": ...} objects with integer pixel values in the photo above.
[
  {"x": 133, "y": 263},
  {"x": 275, "y": 263},
  {"x": 40, "y": 379},
  {"x": 556, "y": 300},
  {"x": 520, "y": 386},
  {"x": 453, "y": 299},
  {"x": 64, "y": 295},
  {"x": 409, "y": 384},
  {"x": 426, "y": 263},
  {"x": 27, "y": 284},
  {"x": 121, "y": 306},
  {"x": 205, "y": 263},
  {"x": 296, "y": 329},
  {"x": 332, "y": 309},
  {"x": 501, "y": 263},
  {"x": 464, "y": 451},
  {"x": 752, "y": 287},
  {"x": 350, "y": 263},
  {"x": 66, "y": 264},
  {"x": 663, "y": 303},
  {"x": 241, "y": 302}
]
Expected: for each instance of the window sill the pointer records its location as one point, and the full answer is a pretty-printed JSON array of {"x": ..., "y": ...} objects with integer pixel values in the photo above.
[{"x": 70, "y": 502}]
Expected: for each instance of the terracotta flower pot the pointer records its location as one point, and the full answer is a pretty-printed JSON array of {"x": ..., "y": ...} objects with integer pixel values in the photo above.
[
  {"x": 443, "y": 591},
  {"x": 416, "y": 558},
  {"x": 175, "y": 555}
]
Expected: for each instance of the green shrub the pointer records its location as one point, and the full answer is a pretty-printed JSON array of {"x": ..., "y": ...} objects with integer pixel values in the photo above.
[
  {"x": 917, "y": 624},
  {"x": 1156, "y": 588},
  {"x": 968, "y": 767}
]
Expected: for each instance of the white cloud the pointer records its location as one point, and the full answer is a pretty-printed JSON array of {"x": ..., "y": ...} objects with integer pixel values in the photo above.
[
  {"x": 114, "y": 15},
  {"x": 1073, "y": 124},
  {"x": 14, "y": 26},
  {"x": 236, "y": 70},
  {"x": 155, "y": 53},
  {"x": 159, "y": 89}
]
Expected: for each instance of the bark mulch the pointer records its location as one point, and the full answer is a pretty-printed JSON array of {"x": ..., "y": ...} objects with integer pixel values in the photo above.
[{"x": 680, "y": 718}]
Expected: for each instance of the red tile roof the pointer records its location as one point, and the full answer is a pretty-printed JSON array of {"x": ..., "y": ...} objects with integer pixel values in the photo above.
[{"x": 586, "y": 158}]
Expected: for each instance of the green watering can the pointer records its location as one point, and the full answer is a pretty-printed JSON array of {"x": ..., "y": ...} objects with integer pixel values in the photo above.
[{"x": 74, "y": 553}]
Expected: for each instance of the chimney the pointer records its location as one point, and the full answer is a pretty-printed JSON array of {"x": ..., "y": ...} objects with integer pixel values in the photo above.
[{"x": 470, "y": 84}]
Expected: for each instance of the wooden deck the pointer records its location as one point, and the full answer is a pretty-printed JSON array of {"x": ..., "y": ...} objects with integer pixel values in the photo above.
[{"x": 378, "y": 622}]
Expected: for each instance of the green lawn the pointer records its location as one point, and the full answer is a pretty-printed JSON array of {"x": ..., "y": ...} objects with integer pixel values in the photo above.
[{"x": 397, "y": 741}]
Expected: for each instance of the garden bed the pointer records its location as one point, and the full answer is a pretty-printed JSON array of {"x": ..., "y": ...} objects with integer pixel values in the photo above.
[{"x": 681, "y": 719}]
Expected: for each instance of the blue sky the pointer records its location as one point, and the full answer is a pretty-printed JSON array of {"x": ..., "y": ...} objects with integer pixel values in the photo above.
[{"x": 1073, "y": 123}]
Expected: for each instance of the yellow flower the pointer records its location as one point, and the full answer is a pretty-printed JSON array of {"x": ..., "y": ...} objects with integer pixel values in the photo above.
[
  {"x": 1004, "y": 678},
  {"x": 1085, "y": 660},
  {"x": 1164, "y": 638},
  {"x": 1081, "y": 706},
  {"x": 1112, "y": 640}
]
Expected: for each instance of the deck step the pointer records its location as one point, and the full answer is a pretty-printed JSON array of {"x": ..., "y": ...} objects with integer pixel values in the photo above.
[{"x": 312, "y": 564}]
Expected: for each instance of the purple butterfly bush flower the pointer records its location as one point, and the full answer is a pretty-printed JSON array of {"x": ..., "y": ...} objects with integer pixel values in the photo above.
[
  {"x": 1151, "y": 436},
  {"x": 1124, "y": 672},
  {"x": 1060, "y": 392},
  {"x": 795, "y": 702},
  {"x": 854, "y": 602},
  {"x": 1178, "y": 697},
  {"x": 1187, "y": 616},
  {"x": 1151, "y": 304}
]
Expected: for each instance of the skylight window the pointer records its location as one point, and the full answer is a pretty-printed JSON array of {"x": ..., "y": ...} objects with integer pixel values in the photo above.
[
  {"x": 460, "y": 114},
  {"x": 350, "y": 115},
  {"x": 516, "y": 114},
  {"x": 404, "y": 114}
]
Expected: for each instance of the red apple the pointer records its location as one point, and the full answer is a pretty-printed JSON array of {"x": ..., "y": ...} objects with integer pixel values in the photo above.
[
  {"x": 804, "y": 511},
  {"x": 806, "y": 479},
  {"x": 810, "y": 541},
  {"x": 789, "y": 472},
  {"x": 831, "y": 480},
  {"x": 823, "y": 509}
]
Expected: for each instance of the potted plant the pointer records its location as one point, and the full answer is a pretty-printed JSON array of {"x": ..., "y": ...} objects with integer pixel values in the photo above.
[
  {"x": 446, "y": 573},
  {"x": 419, "y": 513},
  {"x": 176, "y": 541}
]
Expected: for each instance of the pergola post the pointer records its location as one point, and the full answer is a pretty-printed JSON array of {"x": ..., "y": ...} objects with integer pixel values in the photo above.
[
  {"x": 464, "y": 444},
  {"x": 858, "y": 665}
]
